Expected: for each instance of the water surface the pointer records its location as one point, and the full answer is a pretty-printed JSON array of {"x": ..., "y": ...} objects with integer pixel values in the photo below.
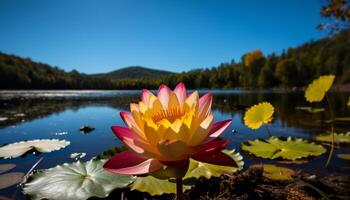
[{"x": 27, "y": 115}]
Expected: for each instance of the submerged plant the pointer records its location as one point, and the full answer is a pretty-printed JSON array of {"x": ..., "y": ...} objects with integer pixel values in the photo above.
[
  {"x": 165, "y": 131},
  {"x": 258, "y": 115},
  {"x": 315, "y": 92}
]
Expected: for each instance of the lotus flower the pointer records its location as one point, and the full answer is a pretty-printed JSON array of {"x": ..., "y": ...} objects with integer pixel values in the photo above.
[{"x": 167, "y": 130}]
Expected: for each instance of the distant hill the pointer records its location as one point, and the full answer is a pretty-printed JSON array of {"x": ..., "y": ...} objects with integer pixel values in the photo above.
[
  {"x": 296, "y": 66},
  {"x": 133, "y": 72}
]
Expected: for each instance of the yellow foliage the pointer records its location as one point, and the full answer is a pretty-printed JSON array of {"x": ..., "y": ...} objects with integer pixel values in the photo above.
[
  {"x": 252, "y": 56},
  {"x": 258, "y": 115},
  {"x": 316, "y": 90}
]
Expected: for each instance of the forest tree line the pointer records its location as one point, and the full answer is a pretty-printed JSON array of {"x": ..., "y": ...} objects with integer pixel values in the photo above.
[{"x": 293, "y": 67}]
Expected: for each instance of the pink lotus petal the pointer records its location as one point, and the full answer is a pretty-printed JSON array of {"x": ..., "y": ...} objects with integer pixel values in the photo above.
[
  {"x": 131, "y": 164},
  {"x": 209, "y": 148},
  {"x": 131, "y": 140},
  {"x": 130, "y": 122},
  {"x": 219, "y": 158},
  {"x": 217, "y": 129},
  {"x": 205, "y": 103},
  {"x": 163, "y": 95},
  {"x": 181, "y": 93},
  {"x": 145, "y": 96}
]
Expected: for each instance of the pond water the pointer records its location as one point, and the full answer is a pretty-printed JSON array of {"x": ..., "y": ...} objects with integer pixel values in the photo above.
[{"x": 27, "y": 115}]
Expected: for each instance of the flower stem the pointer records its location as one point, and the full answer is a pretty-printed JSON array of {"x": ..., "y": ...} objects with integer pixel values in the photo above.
[
  {"x": 332, "y": 130},
  {"x": 179, "y": 189}
]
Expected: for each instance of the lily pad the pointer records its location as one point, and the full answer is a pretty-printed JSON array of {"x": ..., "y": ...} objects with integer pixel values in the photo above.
[
  {"x": 77, "y": 156},
  {"x": 274, "y": 172},
  {"x": 6, "y": 167},
  {"x": 290, "y": 149},
  {"x": 199, "y": 169},
  {"x": 75, "y": 181},
  {"x": 155, "y": 186},
  {"x": 339, "y": 137},
  {"x": 10, "y": 179},
  {"x": 19, "y": 148},
  {"x": 344, "y": 156},
  {"x": 310, "y": 109}
]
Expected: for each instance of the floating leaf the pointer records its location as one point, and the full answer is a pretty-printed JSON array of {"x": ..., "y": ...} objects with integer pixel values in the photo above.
[
  {"x": 155, "y": 186},
  {"x": 344, "y": 156},
  {"x": 79, "y": 180},
  {"x": 199, "y": 169},
  {"x": 290, "y": 149},
  {"x": 258, "y": 115},
  {"x": 275, "y": 172},
  {"x": 19, "y": 148},
  {"x": 316, "y": 90},
  {"x": 10, "y": 179},
  {"x": 6, "y": 167},
  {"x": 339, "y": 137},
  {"x": 311, "y": 110},
  {"x": 77, "y": 156},
  {"x": 298, "y": 162}
]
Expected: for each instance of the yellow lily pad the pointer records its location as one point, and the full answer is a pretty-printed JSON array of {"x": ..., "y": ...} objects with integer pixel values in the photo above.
[
  {"x": 316, "y": 90},
  {"x": 290, "y": 149},
  {"x": 344, "y": 156},
  {"x": 339, "y": 137},
  {"x": 275, "y": 172},
  {"x": 258, "y": 115}
]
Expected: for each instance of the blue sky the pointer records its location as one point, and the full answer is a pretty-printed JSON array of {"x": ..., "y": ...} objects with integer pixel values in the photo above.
[{"x": 177, "y": 35}]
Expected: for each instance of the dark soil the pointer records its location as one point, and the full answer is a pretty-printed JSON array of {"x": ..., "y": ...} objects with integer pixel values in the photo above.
[{"x": 253, "y": 185}]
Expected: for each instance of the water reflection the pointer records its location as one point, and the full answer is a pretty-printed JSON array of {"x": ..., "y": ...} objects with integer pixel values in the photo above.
[{"x": 37, "y": 116}]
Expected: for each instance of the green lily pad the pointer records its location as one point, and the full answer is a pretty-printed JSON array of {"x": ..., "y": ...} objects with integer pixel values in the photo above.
[
  {"x": 290, "y": 149},
  {"x": 75, "y": 181},
  {"x": 310, "y": 109},
  {"x": 6, "y": 167},
  {"x": 199, "y": 169},
  {"x": 19, "y": 148},
  {"x": 339, "y": 137},
  {"x": 344, "y": 156},
  {"x": 156, "y": 186},
  {"x": 275, "y": 172},
  {"x": 10, "y": 179}
]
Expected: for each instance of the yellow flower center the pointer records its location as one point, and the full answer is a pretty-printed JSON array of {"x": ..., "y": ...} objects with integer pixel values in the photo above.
[{"x": 171, "y": 115}]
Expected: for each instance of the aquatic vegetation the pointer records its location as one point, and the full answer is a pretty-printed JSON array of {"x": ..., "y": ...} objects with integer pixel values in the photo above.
[
  {"x": 275, "y": 172},
  {"x": 258, "y": 115},
  {"x": 290, "y": 149},
  {"x": 75, "y": 181},
  {"x": 316, "y": 90},
  {"x": 338, "y": 137},
  {"x": 171, "y": 127},
  {"x": 166, "y": 131},
  {"x": 344, "y": 156},
  {"x": 6, "y": 167},
  {"x": 154, "y": 185},
  {"x": 77, "y": 155},
  {"x": 19, "y": 148},
  {"x": 10, "y": 179},
  {"x": 310, "y": 109}
]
